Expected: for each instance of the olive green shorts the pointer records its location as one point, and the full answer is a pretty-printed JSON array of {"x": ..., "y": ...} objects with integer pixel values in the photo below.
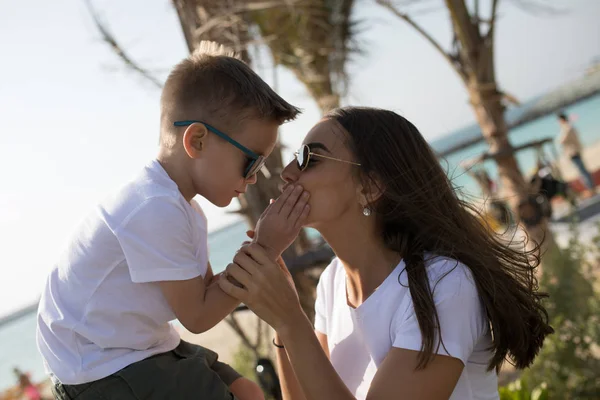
[{"x": 187, "y": 372}]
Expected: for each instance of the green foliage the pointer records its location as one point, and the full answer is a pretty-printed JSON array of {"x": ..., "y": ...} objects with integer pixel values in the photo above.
[
  {"x": 244, "y": 362},
  {"x": 570, "y": 359},
  {"x": 519, "y": 390}
]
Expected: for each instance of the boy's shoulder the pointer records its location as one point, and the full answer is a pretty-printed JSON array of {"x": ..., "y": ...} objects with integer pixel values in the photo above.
[{"x": 152, "y": 185}]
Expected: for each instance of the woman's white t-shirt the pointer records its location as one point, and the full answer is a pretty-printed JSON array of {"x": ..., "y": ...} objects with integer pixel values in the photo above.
[{"x": 360, "y": 338}]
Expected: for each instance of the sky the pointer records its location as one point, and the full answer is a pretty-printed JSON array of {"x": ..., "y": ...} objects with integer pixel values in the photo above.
[{"x": 75, "y": 124}]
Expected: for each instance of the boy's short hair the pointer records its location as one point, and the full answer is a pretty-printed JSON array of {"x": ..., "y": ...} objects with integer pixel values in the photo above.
[
  {"x": 213, "y": 84},
  {"x": 562, "y": 116}
]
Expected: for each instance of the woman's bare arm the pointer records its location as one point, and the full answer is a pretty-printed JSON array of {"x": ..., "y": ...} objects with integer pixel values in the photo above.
[
  {"x": 396, "y": 379},
  {"x": 290, "y": 387}
]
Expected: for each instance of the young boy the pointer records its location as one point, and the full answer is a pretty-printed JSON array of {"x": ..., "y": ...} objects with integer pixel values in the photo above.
[{"x": 140, "y": 259}]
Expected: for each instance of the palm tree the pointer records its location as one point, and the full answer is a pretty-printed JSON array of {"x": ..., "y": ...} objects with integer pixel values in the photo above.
[{"x": 472, "y": 58}]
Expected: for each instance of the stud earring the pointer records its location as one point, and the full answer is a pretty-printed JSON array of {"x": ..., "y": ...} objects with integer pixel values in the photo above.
[{"x": 366, "y": 211}]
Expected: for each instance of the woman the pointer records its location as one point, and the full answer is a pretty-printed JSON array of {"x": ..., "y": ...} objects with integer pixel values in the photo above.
[{"x": 421, "y": 301}]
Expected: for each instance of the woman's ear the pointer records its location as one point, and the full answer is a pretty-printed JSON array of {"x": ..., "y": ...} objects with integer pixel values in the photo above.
[
  {"x": 369, "y": 191},
  {"x": 194, "y": 139}
]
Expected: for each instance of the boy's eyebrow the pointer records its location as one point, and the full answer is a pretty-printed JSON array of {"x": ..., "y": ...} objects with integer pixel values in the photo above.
[{"x": 318, "y": 145}]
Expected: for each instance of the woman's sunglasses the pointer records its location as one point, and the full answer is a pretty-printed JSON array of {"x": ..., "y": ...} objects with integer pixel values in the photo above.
[
  {"x": 255, "y": 161},
  {"x": 304, "y": 154}
]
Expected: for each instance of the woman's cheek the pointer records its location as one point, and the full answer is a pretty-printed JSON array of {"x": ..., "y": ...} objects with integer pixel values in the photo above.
[{"x": 324, "y": 205}]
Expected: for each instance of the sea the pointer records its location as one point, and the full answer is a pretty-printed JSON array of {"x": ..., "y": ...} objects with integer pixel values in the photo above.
[{"x": 17, "y": 337}]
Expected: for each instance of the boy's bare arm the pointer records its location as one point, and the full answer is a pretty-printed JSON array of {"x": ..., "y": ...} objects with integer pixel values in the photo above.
[{"x": 198, "y": 303}]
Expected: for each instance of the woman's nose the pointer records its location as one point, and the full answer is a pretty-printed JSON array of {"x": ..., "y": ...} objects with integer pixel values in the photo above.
[{"x": 290, "y": 173}]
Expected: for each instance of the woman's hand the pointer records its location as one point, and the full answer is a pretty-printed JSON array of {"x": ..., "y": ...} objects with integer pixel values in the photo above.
[
  {"x": 268, "y": 289},
  {"x": 251, "y": 234}
]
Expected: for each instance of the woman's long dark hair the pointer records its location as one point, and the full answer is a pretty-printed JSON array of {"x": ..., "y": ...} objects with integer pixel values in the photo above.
[{"x": 420, "y": 213}]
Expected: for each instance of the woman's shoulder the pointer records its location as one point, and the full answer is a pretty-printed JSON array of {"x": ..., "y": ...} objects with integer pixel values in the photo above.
[
  {"x": 447, "y": 276},
  {"x": 450, "y": 277},
  {"x": 330, "y": 279}
]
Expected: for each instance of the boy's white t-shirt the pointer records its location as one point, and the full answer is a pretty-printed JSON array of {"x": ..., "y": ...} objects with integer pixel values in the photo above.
[
  {"x": 101, "y": 308},
  {"x": 360, "y": 338}
]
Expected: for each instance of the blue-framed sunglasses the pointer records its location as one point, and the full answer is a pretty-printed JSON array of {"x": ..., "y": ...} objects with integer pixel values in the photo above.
[{"x": 255, "y": 161}]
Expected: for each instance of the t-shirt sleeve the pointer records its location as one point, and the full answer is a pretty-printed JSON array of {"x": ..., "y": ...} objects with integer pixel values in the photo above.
[
  {"x": 461, "y": 315},
  {"x": 321, "y": 302},
  {"x": 158, "y": 242},
  {"x": 196, "y": 206}
]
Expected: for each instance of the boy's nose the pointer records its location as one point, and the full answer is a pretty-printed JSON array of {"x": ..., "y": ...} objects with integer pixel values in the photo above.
[
  {"x": 290, "y": 173},
  {"x": 251, "y": 180}
]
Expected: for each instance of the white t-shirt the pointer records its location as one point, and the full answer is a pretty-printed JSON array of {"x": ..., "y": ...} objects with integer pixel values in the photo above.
[
  {"x": 102, "y": 309},
  {"x": 359, "y": 339}
]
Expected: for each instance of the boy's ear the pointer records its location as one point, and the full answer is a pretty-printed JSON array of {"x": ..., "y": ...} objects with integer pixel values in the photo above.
[{"x": 194, "y": 139}]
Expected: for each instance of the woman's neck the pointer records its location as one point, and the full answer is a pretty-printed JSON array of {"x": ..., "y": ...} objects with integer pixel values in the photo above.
[{"x": 363, "y": 253}]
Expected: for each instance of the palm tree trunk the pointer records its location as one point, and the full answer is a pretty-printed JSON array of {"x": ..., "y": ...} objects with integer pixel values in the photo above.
[
  {"x": 489, "y": 112},
  {"x": 474, "y": 62}
]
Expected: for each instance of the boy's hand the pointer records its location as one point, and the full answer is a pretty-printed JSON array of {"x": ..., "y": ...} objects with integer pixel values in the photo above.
[{"x": 281, "y": 222}]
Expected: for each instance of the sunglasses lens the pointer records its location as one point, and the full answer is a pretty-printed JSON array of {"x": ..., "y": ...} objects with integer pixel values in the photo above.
[
  {"x": 302, "y": 157},
  {"x": 254, "y": 166}
]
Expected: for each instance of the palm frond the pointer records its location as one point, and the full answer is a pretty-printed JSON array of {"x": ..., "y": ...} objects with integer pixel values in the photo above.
[
  {"x": 314, "y": 39},
  {"x": 217, "y": 20},
  {"x": 116, "y": 47}
]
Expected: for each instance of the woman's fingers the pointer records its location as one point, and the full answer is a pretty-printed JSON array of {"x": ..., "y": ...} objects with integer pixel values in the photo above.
[
  {"x": 244, "y": 260},
  {"x": 232, "y": 290},
  {"x": 269, "y": 270},
  {"x": 268, "y": 288},
  {"x": 239, "y": 274},
  {"x": 260, "y": 261},
  {"x": 259, "y": 254}
]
